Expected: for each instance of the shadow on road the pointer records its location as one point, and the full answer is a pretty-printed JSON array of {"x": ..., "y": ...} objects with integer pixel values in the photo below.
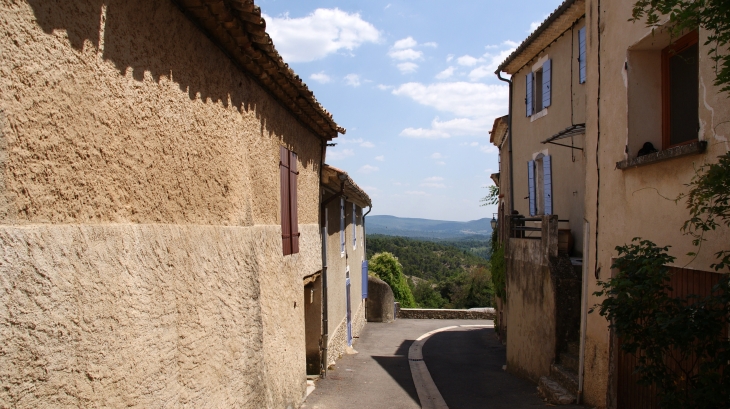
[{"x": 399, "y": 369}]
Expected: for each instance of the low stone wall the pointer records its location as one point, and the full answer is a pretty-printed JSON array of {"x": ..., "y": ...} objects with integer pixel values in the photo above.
[{"x": 417, "y": 313}]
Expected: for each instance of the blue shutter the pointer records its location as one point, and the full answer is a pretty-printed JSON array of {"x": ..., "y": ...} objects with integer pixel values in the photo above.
[
  {"x": 528, "y": 93},
  {"x": 531, "y": 186},
  {"x": 582, "y": 55},
  {"x": 547, "y": 176},
  {"x": 342, "y": 225},
  {"x": 365, "y": 279},
  {"x": 354, "y": 227},
  {"x": 546, "y": 83}
]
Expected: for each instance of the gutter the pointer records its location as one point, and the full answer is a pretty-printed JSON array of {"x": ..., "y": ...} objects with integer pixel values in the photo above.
[{"x": 509, "y": 130}]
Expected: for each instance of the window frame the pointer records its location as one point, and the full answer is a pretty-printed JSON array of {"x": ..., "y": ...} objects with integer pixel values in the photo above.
[{"x": 673, "y": 49}]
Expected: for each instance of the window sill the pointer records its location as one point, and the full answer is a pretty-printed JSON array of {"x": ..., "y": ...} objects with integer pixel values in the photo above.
[
  {"x": 671, "y": 153},
  {"x": 534, "y": 117}
]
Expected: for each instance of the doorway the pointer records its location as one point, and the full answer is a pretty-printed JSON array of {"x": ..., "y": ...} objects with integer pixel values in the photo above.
[{"x": 313, "y": 323}]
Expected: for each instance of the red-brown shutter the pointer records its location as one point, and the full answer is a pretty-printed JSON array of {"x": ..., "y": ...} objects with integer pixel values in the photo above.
[
  {"x": 285, "y": 200},
  {"x": 293, "y": 203}
]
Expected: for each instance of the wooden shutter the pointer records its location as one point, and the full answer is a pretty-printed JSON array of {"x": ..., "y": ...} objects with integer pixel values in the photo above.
[
  {"x": 293, "y": 209},
  {"x": 531, "y": 186},
  {"x": 354, "y": 226},
  {"x": 342, "y": 225},
  {"x": 582, "y": 55},
  {"x": 284, "y": 174},
  {"x": 528, "y": 93},
  {"x": 546, "y": 83},
  {"x": 547, "y": 177},
  {"x": 365, "y": 279}
]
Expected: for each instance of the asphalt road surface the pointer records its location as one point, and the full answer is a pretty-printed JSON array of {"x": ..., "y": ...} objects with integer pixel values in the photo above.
[{"x": 465, "y": 364}]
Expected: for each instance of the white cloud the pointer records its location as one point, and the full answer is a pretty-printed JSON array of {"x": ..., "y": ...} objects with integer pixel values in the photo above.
[
  {"x": 434, "y": 179},
  {"x": 474, "y": 144},
  {"x": 352, "y": 80},
  {"x": 407, "y": 67},
  {"x": 339, "y": 155},
  {"x": 445, "y": 73},
  {"x": 367, "y": 144},
  {"x": 407, "y": 54},
  {"x": 422, "y": 133},
  {"x": 535, "y": 24},
  {"x": 323, "y": 32},
  {"x": 368, "y": 169},
  {"x": 430, "y": 44},
  {"x": 321, "y": 77},
  {"x": 436, "y": 155},
  {"x": 387, "y": 7},
  {"x": 369, "y": 188},
  {"x": 380, "y": 158},
  {"x": 489, "y": 149},
  {"x": 492, "y": 62},
  {"x": 436, "y": 185},
  {"x": 467, "y": 60},
  {"x": 384, "y": 87},
  {"x": 404, "y": 43},
  {"x": 460, "y": 98},
  {"x": 415, "y": 192},
  {"x": 441, "y": 163},
  {"x": 449, "y": 57}
]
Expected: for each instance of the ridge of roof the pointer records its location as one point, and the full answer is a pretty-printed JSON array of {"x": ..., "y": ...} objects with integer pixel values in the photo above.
[
  {"x": 568, "y": 8},
  {"x": 357, "y": 189},
  {"x": 237, "y": 27}
]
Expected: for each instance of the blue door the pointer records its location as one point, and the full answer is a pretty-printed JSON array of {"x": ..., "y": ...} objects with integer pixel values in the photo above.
[{"x": 349, "y": 314}]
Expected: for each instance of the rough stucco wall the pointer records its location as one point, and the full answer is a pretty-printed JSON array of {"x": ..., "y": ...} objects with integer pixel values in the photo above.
[
  {"x": 531, "y": 303},
  {"x": 145, "y": 166},
  {"x": 567, "y": 188},
  {"x": 631, "y": 202},
  {"x": 130, "y": 315}
]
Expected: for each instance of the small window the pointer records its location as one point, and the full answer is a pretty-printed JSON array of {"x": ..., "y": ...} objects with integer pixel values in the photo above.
[
  {"x": 680, "y": 91},
  {"x": 289, "y": 218},
  {"x": 540, "y": 185},
  {"x": 342, "y": 226},
  {"x": 538, "y": 89}
]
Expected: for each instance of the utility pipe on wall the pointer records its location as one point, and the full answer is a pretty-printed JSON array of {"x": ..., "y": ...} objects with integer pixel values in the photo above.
[{"x": 509, "y": 131}]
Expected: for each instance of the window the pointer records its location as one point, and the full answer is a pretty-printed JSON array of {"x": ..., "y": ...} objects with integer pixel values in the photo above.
[
  {"x": 680, "y": 91},
  {"x": 582, "y": 55},
  {"x": 538, "y": 87},
  {"x": 342, "y": 226},
  {"x": 540, "y": 185},
  {"x": 289, "y": 219},
  {"x": 354, "y": 227}
]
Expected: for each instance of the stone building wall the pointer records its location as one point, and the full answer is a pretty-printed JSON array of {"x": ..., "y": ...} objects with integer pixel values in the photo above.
[{"x": 140, "y": 239}]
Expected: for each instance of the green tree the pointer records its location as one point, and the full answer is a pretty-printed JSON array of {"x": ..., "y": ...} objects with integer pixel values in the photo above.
[
  {"x": 711, "y": 15},
  {"x": 426, "y": 296},
  {"x": 387, "y": 267}
]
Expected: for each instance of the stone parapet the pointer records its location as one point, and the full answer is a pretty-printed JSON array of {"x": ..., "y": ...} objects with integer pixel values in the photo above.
[{"x": 447, "y": 314}]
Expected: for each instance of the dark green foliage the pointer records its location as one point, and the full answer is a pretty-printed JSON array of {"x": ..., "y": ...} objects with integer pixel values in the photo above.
[
  {"x": 427, "y": 259},
  {"x": 497, "y": 268},
  {"x": 669, "y": 330},
  {"x": 711, "y": 15},
  {"x": 461, "y": 279},
  {"x": 386, "y": 266},
  {"x": 708, "y": 202},
  {"x": 426, "y": 296}
]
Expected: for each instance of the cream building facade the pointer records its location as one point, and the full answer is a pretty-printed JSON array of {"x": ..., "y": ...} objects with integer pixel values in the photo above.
[{"x": 143, "y": 207}]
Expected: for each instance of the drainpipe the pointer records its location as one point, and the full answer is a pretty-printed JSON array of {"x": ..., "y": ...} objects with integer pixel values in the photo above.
[
  {"x": 325, "y": 321},
  {"x": 509, "y": 129},
  {"x": 365, "y": 251}
]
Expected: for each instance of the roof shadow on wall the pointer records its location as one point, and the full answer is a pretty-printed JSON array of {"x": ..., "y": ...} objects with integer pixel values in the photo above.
[
  {"x": 399, "y": 369},
  {"x": 155, "y": 39}
]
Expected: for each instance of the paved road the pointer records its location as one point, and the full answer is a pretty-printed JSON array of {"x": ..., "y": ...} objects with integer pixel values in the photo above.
[{"x": 466, "y": 365}]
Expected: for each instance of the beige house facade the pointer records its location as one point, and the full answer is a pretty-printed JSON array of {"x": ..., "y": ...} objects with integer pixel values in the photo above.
[
  {"x": 651, "y": 117},
  {"x": 626, "y": 194},
  {"x": 159, "y": 207},
  {"x": 344, "y": 207}
]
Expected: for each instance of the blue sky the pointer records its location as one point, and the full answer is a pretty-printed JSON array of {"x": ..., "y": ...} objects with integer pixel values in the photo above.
[{"x": 413, "y": 83}]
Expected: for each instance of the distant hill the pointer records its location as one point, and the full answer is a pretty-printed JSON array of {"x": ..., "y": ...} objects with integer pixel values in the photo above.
[{"x": 427, "y": 229}]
